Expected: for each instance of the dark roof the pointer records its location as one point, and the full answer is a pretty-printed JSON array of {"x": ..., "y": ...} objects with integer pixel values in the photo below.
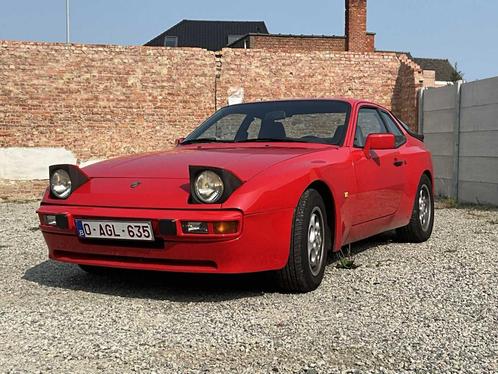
[
  {"x": 444, "y": 70},
  {"x": 397, "y": 52},
  {"x": 294, "y": 35},
  {"x": 212, "y": 35}
]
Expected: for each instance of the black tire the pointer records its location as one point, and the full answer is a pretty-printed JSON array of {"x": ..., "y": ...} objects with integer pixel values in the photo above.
[
  {"x": 300, "y": 275},
  {"x": 96, "y": 270},
  {"x": 417, "y": 230}
]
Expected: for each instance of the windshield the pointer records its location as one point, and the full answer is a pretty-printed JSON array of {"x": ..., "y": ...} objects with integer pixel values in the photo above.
[{"x": 315, "y": 121}]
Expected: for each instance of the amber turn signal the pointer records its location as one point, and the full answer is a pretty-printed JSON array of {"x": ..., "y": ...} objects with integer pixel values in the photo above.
[{"x": 225, "y": 227}]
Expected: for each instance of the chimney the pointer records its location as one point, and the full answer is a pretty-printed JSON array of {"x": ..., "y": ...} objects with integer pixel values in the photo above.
[{"x": 357, "y": 39}]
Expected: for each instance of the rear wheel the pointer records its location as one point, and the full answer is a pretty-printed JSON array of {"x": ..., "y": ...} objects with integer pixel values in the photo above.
[
  {"x": 309, "y": 243},
  {"x": 422, "y": 220}
]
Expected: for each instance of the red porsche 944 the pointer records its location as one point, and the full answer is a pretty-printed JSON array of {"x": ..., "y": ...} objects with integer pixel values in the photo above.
[{"x": 266, "y": 186}]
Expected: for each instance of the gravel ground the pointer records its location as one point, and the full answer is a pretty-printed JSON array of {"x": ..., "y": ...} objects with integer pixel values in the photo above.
[{"x": 430, "y": 307}]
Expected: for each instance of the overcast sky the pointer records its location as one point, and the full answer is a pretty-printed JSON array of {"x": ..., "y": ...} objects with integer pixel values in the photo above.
[{"x": 464, "y": 31}]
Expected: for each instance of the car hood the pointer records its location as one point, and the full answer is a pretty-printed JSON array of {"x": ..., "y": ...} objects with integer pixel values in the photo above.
[{"x": 244, "y": 161}]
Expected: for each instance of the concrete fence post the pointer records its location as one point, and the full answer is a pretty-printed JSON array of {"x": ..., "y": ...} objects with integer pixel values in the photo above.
[
  {"x": 421, "y": 94},
  {"x": 456, "y": 141}
]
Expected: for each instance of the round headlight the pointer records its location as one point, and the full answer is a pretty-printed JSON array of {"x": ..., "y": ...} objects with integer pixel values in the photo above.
[
  {"x": 60, "y": 184},
  {"x": 208, "y": 186}
]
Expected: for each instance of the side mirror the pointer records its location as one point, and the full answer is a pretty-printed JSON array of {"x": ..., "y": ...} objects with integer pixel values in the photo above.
[
  {"x": 379, "y": 141},
  {"x": 179, "y": 141}
]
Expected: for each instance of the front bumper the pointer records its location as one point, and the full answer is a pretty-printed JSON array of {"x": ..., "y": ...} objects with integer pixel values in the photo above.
[{"x": 262, "y": 242}]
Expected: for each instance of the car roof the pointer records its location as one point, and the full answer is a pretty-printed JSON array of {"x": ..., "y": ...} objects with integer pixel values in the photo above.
[{"x": 343, "y": 99}]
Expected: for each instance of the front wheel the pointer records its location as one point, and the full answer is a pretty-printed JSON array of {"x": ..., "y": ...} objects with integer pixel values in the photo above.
[
  {"x": 309, "y": 243},
  {"x": 419, "y": 229}
]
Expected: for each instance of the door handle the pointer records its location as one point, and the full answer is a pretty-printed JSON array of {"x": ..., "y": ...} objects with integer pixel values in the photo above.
[{"x": 399, "y": 162}]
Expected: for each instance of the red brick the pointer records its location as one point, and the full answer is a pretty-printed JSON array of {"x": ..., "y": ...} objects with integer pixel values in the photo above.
[{"x": 357, "y": 39}]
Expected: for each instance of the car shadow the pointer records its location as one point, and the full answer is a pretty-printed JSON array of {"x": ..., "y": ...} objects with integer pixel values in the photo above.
[
  {"x": 363, "y": 245},
  {"x": 177, "y": 287}
]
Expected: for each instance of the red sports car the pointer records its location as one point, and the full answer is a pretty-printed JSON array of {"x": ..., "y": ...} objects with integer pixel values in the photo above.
[{"x": 257, "y": 187}]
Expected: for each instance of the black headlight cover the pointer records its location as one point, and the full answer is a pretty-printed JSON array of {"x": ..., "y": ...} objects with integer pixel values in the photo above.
[
  {"x": 77, "y": 176},
  {"x": 230, "y": 182}
]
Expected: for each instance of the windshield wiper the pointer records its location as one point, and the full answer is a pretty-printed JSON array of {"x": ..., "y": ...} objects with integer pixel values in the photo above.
[
  {"x": 273, "y": 140},
  {"x": 205, "y": 140},
  {"x": 215, "y": 140}
]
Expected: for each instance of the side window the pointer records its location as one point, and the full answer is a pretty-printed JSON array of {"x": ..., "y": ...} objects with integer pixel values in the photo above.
[
  {"x": 233, "y": 38},
  {"x": 393, "y": 128},
  {"x": 369, "y": 122}
]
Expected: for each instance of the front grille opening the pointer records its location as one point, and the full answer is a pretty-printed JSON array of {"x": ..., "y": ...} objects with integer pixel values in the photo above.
[{"x": 123, "y": 260}]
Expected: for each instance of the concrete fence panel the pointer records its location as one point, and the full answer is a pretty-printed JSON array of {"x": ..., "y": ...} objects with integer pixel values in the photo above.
[
  {"x": 460, "y": 124},
  {"x": 439, "y": 108}
]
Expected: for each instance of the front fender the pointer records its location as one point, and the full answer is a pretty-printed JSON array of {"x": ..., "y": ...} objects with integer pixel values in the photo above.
[{"x": 281, "y": 186}]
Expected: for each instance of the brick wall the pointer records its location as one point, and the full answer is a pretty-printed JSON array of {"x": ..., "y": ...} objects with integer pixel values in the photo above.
[
  {"x": 301, "y": 43},
  {"x": 103, "y": 101},
  {"x": 380, "y": 77},
  {"x": 294, "y": 43},
  {"x": 405, "y": 95},
  {"x": 357, "y": 39},
  {"x": 370, "y": 43},
  {"x": 22, "y": 190}
]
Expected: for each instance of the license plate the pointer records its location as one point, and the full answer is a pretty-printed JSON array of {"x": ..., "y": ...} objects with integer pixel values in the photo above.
[{"x": 121, "y": 230}]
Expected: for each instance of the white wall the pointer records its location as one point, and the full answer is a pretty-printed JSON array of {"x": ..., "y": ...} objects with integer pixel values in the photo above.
[{"x": 18, "y": 163}]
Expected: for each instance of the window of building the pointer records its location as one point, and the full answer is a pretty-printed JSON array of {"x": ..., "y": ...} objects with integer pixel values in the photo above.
[
  {"x": 233, "y": 38},
  {"x": 171, "y": 41}
]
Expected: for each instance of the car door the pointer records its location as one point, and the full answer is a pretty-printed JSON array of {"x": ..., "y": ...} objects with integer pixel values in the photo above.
[{"x": 380, "y": 176}]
